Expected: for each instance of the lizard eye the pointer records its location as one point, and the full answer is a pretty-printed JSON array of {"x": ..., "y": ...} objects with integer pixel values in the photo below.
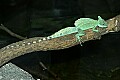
[
  {"x": 60, "y": 33},
  {"x": 103, "y": 24}
]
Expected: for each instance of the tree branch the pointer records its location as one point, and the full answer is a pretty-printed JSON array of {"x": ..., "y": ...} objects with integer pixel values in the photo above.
[{"x": 32, "y": 44}]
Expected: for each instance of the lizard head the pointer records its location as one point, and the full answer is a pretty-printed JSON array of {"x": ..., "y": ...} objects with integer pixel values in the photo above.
[{"x": 102, "y": 22}]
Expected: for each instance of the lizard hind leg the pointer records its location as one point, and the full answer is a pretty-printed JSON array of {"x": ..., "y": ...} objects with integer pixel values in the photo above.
[
  {"x": 78, "y": 38},
  {"x": 79, "y": 34}
]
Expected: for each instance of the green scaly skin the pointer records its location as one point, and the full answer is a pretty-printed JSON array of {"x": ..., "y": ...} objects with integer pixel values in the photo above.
[
  {"x": 81, "y": 25},
  {"x": 66, "y": 31}
]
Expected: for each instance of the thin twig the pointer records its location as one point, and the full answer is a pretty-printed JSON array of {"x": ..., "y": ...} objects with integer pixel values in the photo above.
[
  {"x": 49, "y": 71},
  {"x": 11, "y": 33}
]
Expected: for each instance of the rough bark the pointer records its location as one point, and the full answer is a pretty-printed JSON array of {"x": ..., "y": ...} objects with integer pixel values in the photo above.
[{"x": 33, "y": 44}]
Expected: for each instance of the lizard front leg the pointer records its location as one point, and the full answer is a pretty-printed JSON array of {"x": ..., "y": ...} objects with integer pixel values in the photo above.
[
  {"x": 78, "y": 35},
  {"x": 94, "y": 29}
]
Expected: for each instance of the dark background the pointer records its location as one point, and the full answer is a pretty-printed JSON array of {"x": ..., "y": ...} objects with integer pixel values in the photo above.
[{"x": 30, "y": 18}]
